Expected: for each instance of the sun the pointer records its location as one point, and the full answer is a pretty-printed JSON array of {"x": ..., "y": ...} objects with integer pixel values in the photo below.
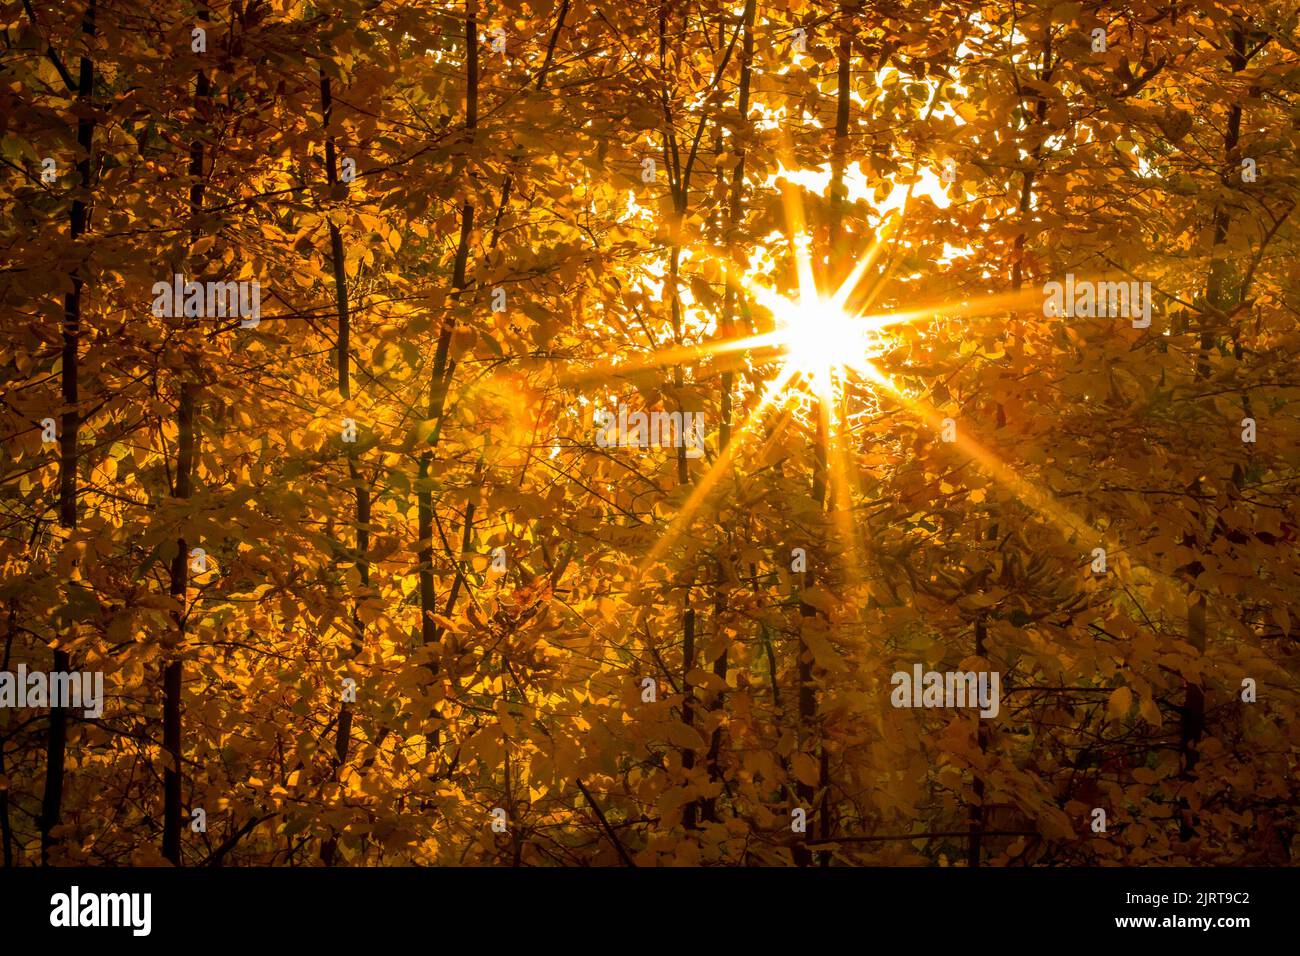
[
  {"x": 820, "y": 336},
  {"x": 821, "y": 340}
]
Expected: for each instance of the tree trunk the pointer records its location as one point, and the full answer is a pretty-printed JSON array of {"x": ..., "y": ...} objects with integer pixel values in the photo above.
[
  {"x": 680, "y": 190},
  {"x": 1217, "y": 295},
  {"x": 56, "y": 743},
  {"x": 726, "y": 330},
  {"x": 361, "y": 490},
  {"x": 173, "y": 673},
  {"x": 442, "y": 370},
  {"x": 807, "y": 698},
  {"x": 975, "y": 842}
]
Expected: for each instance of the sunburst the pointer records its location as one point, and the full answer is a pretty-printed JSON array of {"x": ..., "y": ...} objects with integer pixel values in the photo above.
[{"x": 821, "y": 342}]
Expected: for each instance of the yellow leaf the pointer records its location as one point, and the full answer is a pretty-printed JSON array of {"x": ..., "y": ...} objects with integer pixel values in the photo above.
[
  {"x": 819, "y": 598},
  {"x": 805, "y": 769},
  {"x": 1120, "y": 701},
  {"x": 686, "y": 737}
]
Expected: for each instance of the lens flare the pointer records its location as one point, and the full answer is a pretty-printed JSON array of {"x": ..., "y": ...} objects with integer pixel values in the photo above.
[{"x": 820, "y": 340}]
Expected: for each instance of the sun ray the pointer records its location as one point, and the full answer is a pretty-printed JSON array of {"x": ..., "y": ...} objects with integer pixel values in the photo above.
[
  {"x": 674, "y": 356},
  {"x": 681, "y": 521},
  {"x": 1069, "y": 524},
  {"x": 822, "y": 342},
  {"x": 800, "y": 239},
  {"x": 1072, "y": 528}
]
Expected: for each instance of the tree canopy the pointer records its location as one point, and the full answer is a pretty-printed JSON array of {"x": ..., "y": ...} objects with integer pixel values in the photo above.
[{"x": 538, "y": 433}]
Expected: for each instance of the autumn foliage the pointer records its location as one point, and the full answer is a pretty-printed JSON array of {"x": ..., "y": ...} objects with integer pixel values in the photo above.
[{"x": 361, "y": 580}]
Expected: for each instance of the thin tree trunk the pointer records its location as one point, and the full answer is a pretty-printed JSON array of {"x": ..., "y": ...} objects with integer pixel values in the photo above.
[
  {"x": 680, "y": 190},
  {"x": 807, "y": 698},
  {"x": 1217, "y": 294},
  {"x": 726, "y": 330},
  {"x": 173, "y": 673},
  {"x": 56, "y": 744},
  {"x": 6, "y": 827},
  {"x": 840, "y": 147},
  {"x": 430, "y": 634},
  {"x": 690, "y": 813},
  {"x": 361, "y": 490},
  {"x": 337, "y": 259},
  {"x": 976, "y": 828}
]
